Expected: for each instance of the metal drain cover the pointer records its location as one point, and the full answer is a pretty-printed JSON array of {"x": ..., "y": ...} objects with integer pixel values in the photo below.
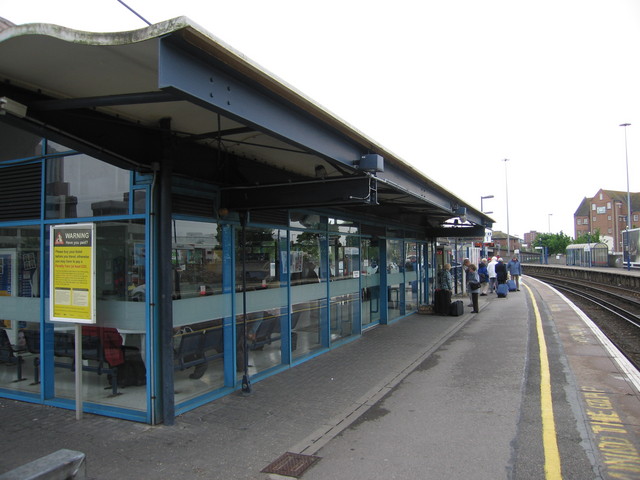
[{"x": 291, "y": 464}]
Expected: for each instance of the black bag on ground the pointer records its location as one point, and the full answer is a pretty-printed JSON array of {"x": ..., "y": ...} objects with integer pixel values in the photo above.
[
  {"x": 133, "y": 371},
  {"x": 456, "y": 308},
  {"x": 442, "y": 302}
]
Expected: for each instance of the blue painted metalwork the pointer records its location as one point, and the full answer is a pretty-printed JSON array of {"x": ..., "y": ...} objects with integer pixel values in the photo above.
[{"x": 211, "y": 87}]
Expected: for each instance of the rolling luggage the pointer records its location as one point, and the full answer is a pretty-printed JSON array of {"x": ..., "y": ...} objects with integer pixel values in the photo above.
[
  {"x": 512, "y": 285},
  {"x": 502, "y": 290},
  {"x": 456, "y": 309}
]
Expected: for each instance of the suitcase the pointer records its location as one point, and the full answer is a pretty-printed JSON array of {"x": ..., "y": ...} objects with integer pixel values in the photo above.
[
  {"x": 456, "y": 309},
  {"x": 502, "y": 290},
  {"x": 512, "y": 285},
  {"x": 442, "y": 302}
]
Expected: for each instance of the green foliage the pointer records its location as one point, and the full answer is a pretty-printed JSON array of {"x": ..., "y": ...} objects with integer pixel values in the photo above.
[
  {"x": 555, "y": 242},
  {"x": 592, "y": 238}
]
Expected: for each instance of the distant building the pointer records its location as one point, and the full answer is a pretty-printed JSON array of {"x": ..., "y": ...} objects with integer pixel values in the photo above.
[
  {"x": 606, "y": 211},
  {"x": 530, "y": 237},
  {"x": 500, "y": 243}
]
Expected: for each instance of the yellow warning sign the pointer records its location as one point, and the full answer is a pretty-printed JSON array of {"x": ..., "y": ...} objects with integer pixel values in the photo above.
[{"x": 73, "y": 273}]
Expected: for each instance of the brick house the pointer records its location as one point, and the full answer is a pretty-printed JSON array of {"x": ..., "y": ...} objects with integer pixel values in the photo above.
[{"x": 606, "y": 211}]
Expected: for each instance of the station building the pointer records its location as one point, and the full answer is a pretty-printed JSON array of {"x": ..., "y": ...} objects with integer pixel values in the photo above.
[{"x": 238, "y": 228}]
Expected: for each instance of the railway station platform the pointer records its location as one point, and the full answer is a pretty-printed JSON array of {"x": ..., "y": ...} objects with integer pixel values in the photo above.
[{"x": 470, "y": 397}]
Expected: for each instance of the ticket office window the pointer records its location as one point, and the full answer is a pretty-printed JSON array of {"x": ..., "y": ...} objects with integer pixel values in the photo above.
[
  {"x": 344, "y": 288},
  {"x": 19, "y": 307},
  {"x": 308, "y": 280},
  {"x": 261, "y": 268},
  {"x": 200, "y": 305},
  {"x": 120, "y": 333}
]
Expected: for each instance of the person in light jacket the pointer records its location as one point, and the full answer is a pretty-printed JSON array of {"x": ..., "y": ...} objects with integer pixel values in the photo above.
[{"x": 515, "y": 270}]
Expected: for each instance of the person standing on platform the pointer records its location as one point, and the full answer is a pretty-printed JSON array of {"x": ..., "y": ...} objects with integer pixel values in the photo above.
[
  {"x": 483, "y": 273},
  {"x": 501, "y": 271},
  {"x": 444, "y": 288},
  {"x": 515, "y": 270},
  {"x": 473, "y": 286},
  {"x": 465, "y": 268},
  {"x": 491, "y": 270}
]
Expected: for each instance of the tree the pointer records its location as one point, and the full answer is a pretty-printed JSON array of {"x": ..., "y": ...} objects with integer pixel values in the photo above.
[
  {"x": 591, "y": 238},
  {"x": 555, "y": 242}
]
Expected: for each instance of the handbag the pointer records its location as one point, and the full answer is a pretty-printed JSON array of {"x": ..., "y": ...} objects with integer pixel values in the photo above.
[{"x": 474, "y": 285}]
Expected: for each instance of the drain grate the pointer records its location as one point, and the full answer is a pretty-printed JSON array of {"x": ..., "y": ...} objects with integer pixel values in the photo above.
[{"x": 291, "y": 464}]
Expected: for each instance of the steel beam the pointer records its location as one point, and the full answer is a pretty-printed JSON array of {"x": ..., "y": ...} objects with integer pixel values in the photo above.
[
  {"x": 210, "y": 86},
  {"x": 350, "y": 191}
]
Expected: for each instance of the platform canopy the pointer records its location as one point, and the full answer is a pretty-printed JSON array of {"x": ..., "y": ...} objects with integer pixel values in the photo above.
[{"x": 173, "y": 92}]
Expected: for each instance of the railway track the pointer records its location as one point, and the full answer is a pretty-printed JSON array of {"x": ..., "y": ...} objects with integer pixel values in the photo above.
[{"x": 615, "y": 310}]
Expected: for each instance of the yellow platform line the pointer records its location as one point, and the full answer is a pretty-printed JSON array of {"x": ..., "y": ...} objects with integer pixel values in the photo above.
[{"x": 552, "y": 467}]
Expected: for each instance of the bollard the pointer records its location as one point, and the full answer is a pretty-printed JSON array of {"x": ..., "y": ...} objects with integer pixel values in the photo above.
[{"x": 61, "y": 465}]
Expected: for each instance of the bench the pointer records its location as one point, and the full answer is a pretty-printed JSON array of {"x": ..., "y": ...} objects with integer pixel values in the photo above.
[
  {"x": 198, "y": 347},
  {"x": 93, "y": 349},
  {"x": 10, "y": 354}
]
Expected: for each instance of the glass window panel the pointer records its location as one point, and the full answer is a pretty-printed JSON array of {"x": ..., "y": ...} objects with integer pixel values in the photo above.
[
  {"x": 370, "y": 278},
  {"x": 395, "y": 278},
  {"x": 411, "y": 276},
  {"x": 120, "y": 331},
  {"x": 17, "y": 143},
  {"x": 260, "y": 266},
  {"x": 19, "y": 308},
  {"x": 139, "y": 201},
  {"x": 308, "y": 292},
  {"x": 82, "y": 186},
  {"x": 199, "y": 308},
  {"x": 342, "y": 226},
  {"x": 344, "y": 264}
]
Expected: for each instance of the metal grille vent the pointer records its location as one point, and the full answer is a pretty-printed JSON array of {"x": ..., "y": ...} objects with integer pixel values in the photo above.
[
  {"x": 188, "y": 205},
  {"x": 270, "y": 217},
  {"x": 20, "y": 192},
  {"x": 291, "y": 464}
]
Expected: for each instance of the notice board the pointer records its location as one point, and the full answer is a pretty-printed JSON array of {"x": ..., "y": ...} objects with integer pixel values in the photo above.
[{"x": 73, "y": 285}]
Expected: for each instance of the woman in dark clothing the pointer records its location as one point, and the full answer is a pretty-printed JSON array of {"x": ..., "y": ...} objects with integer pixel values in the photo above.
[{"x": 501, "y": 271}]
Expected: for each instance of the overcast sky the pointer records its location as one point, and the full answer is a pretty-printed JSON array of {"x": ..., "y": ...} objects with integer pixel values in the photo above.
[{"x": 451, "y": 86}]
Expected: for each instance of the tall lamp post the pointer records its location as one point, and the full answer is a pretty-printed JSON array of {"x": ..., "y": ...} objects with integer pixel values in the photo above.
[
  {"x": 484, "y": 253},
  {"x": 549, "y": 221},
  {"x": 626, "y": 157},
  {"x": 506, "y": 185}
]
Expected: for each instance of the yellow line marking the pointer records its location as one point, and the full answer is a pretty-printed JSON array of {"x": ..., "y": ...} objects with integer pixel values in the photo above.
[{"x": 552, "y": 467}]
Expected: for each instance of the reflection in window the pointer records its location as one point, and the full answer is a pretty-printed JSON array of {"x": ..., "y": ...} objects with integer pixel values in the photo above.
[
  {"x": 370, "y": 277},
  {"x": 17, "y": 143},
  {"x": 260, "y": 267},
  {"x": 82, "y": 186},
  {"x": 19, "y": 306},
  {"x": 120, "y": 261},
  {"x": 199, "y": 308},
  {"x": 395, "y": 278},
  {"x": 308, "y": 292},
  {"x": 411, "y": 276},
  {"x": 344, "y": 261}
]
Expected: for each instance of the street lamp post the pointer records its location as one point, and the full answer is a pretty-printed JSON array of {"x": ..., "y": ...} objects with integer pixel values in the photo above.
[
  {"x": 506, "y": 184},
  {"x": 626, "y": 157},
  {"x": 549, "y": 221}
]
